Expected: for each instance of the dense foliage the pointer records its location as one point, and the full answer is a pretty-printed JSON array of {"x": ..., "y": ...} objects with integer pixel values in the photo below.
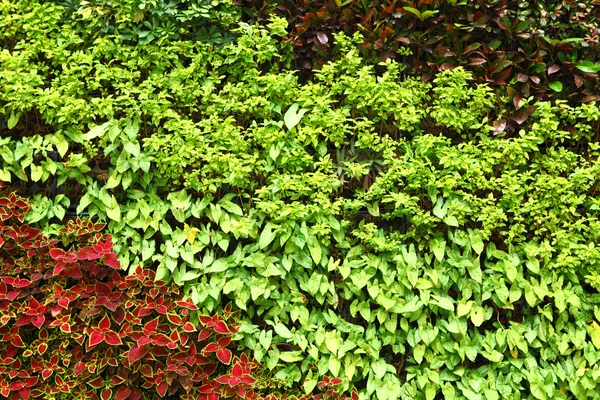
[
  {"x": 72, "y": 326},
  {"x": 545, "y": 49},
  {"x": 404, "y": 237}
]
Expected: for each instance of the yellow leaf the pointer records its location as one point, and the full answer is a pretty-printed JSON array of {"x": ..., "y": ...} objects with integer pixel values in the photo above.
[
  {"x": 595, "y": 334},
  {"x": 190, "y": 233},
  {"x": 514, "y": 352}
]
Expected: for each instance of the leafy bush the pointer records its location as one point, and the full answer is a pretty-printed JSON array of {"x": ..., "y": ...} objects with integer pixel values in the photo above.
[
  {"x": 544, "y": 49},
  {"x": 71, "y": 324}
]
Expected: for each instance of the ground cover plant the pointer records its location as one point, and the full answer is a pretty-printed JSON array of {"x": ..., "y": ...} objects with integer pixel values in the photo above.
[
  {"x": 405, "y": 238},
  {"x": 73, "y": 326}
]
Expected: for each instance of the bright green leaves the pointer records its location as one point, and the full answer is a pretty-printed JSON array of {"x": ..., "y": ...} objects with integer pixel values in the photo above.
[
  {"x": 293, "y": 116},
  {"x": 266, "y": 237}
]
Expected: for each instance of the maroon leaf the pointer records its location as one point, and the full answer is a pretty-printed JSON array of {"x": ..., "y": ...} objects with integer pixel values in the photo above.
[
  {"x": 79, "y": 368},
  {"x": 136, "y": 353},
  {"x": 224, "y": 355},
  {"x": 97, "y": 383},
  {"x": 476, "y": 61},
  {"x": 123, "y": 393},
  {"x": 522, "y": 77},
  {"x": 204, "y": 334},
  {"x": 188, "y": 327},
  {"x": 104, "y": 324},
  {"x": 174, "y": 319},
  {"x": 57, "y": 254},
  {"x": 322, "y": 37},
  {"x": 113, "y": 339},
  {"x": 95, "y": 338},
  {"x": 237, "y": 370},
  {"x": 210, "y": 348},
  {"x": 521, "y": 116},
  {"x": 535, "y": 79},
  {"x": 221, "y": 327},
  {"x": 106, "y": 394},
  {"x": 517, "y": 101},
  {"x": 161, "y": 339},
  {"x": 24, "y": 393},
  {"x": 38, "y": 321},
  {"x": 224, "y": 341},
  {"x": 150, "y": 326},
  {"x": 162, "y": 389},
  {"x": 553, "y": 69}
]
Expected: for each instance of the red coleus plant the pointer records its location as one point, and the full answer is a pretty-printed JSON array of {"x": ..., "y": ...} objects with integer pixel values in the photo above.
[{"x": 72, "y": 324}]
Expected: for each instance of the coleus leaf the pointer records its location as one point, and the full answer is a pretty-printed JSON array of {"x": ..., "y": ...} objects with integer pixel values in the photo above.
[
  {"x": 161, "y": 389},
  {"x": 113, "y": 339},
  {"x": 95, "y": 338},
  {"x": 210, "y": 348},
  {"x": 104, "y": 324},
  {"x": 224, "y": 355},
  {"x": 136, "y": 353},
  {"x": 221, "y": 327},
  {"x": 97, "y": 383},
  {"x": 57, "y": 254},
  {"x": 123, "y": 393},
  {"x": 150, "y": 326},
  {"x": 204, "y": 334},
  {"x": 106, "y": 394}
]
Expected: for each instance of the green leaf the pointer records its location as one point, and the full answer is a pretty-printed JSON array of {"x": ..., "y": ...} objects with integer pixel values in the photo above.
[
  {"x": 588, "y": 66},
  {"x": 556, "y": 86},
  {"x": 266, "y": 236},
  {"x": 132, "y": 148},
  {"x": 451, "y": 220},
  {"x": 282, "y": 331},
  {"x": 36, "y": 172},
  {"x": 511, "y": 270},
  {"x": 5, "y": 175},
  {"x": 315, "y": 250},
  {"x": 334, "y": 365},
  {"x": 231, "y": 207},
  {"x": 594, "y": 331},
  {"x": 418, "y": 353},
  {"x": 413, "y": 11},
  {"x": 444, "y": 302},
  {"x": 113, "y": 181},
  {"x": 291, "y": 356},
  {"x": 477, "y": 315},
  {"x": 293, "y": 116},
  {"x": 464, "y": 308},
  {"x": 97, "y": 131},
  {"x": 114, "y": 212},
  {"x": 13, "y": 120},
  {"x": 331, "y": 342},
  {"x": 309, "y": 383},
  {"x": 379, "y": 368},
  {"x": 85, "y": 201},
  {"x": 438, "y": 246},
  {"x": 62, "y": 146},
  {"x": 440, "y": 209}
]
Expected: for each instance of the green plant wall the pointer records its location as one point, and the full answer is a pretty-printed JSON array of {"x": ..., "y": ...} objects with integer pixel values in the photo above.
[{"x": 383, "y": 232}]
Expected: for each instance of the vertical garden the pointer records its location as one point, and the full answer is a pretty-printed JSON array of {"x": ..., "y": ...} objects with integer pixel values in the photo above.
[{"x": 277, "y": 199}]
